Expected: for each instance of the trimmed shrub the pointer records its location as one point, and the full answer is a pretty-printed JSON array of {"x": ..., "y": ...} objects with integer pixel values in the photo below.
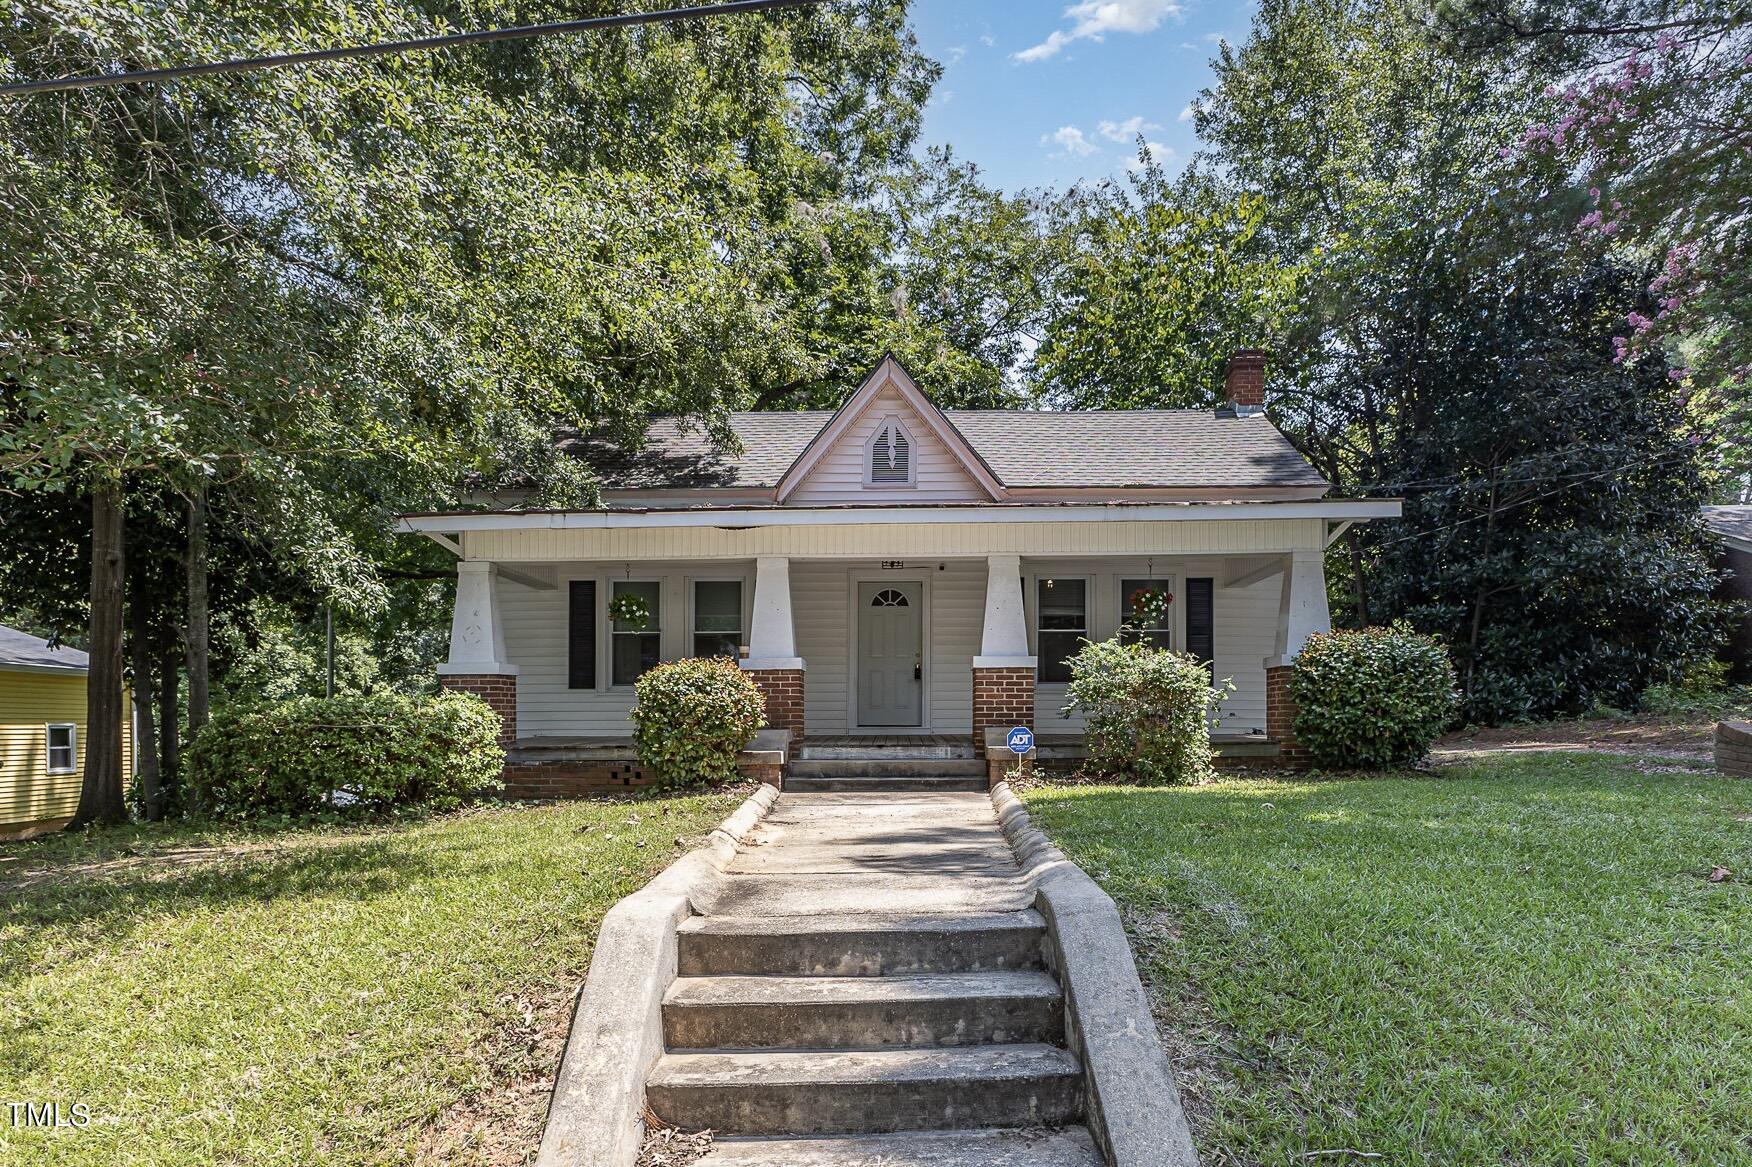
[
  {"x": 351, "y": 754},
  {"x": 693, "y": 716},
  {"x": 1147, "y": 712},
  {"x": 1373, "y": 698}
]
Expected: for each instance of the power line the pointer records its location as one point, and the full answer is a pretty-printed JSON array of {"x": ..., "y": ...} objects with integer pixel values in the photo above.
[{"x": 386, "y": 48}]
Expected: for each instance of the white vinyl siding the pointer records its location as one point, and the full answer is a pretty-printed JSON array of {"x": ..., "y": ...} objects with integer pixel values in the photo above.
[
  {"x": 843, "y": 474},
  {"x": 829, "y": 540},
  {"x": 1245, "y": 628},
  {"x": 535, "y": 639}
]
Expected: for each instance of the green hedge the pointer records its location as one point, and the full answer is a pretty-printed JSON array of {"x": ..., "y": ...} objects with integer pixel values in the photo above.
[
  {"x": 693, "y": 717},
  {"x": 1147, "y": 712},
  {"x": 1373, "y": 698},
  {"x": 346, "y": 754}
]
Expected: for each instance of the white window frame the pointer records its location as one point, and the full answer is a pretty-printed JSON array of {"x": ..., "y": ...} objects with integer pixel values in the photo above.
[
  {"x": 912, "y": 455},
  {"x": 608, "y": 622},
  {"x": 1176, "y": 627},
  {"x": 49, "y": 747},
  {"x": 1031, "y": 605},
  {"x": 691, "y": 630}
]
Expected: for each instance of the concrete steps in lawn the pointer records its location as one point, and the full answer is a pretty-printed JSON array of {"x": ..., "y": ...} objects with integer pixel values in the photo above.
[
  {"x": 807, "y": 775},
  {"x": 1066, "y": 1147},
  {"x": 946, "y": 1009},
  {"x": 869, "y": 944},
  {"x": 803, "y": 1092}
]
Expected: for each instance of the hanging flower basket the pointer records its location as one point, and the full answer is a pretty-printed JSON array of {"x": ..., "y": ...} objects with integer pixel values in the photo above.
[
  {"x": 1149, "y": 608},
  {"x": 630, "y": 610}
]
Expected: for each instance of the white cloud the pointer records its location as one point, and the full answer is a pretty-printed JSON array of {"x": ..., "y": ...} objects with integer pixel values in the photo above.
[
  {"x": 1094, "y": 19},
  {"x": 1186, "y": 114},
  {"x": 1160, "y": 154},
  {"x": 954, "y": 53},
  {"x": 988, "y": 41},
  {"x": 1125, "y": 131},
  {"x": 1072, "y": 141}
]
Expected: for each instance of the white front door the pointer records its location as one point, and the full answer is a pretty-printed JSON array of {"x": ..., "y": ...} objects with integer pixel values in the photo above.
[{"x": 890, "y": 653}]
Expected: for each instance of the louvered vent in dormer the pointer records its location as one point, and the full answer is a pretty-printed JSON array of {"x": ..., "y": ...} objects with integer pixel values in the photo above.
[{"x": 891, "y": 456}]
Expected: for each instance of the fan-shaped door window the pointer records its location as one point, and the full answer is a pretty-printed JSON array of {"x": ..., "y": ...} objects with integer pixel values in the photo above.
[
  {"x": 889, "y": 598},
  {"x": 891, "y": 460}
]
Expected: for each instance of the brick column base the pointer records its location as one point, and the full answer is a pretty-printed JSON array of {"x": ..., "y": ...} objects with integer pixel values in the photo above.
[
  {"x": 783, "y": 690},
  {"x": 498, "y": 691},
  {"x": 1280, "y": 716},
  {"x": 1003, "y": 697}
]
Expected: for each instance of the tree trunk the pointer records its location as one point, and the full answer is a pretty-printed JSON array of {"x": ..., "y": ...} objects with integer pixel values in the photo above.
[
  {"x": 100, "y": 795},
  {"x": 169, "y": 719},
  {"x": 1358, "y": 582},
  {"x": 145, "y": 711},
  {"x": 197, "y": 581}
]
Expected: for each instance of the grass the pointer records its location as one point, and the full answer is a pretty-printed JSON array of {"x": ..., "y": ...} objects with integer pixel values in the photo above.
[
  {"x": 1516, "y": 960},
  {"x": 344, "y": 996}
]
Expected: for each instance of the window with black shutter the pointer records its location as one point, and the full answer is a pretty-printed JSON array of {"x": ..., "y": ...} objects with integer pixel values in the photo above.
[
  {"x": 1201, "y": 621},
  {"x": 581, "y": 635}
]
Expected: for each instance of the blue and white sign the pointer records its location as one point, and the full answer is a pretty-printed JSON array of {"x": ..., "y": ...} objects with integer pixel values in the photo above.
[{"x": 1020, "y": 740}]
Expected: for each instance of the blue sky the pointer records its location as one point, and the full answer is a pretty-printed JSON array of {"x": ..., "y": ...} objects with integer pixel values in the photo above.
[{"x": 1050, "y": 93}]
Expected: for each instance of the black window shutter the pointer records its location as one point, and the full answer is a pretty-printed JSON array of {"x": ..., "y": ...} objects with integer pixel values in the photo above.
[
  {"x": 581, "y": 636},
  {"x": 1201, "y": 619}
]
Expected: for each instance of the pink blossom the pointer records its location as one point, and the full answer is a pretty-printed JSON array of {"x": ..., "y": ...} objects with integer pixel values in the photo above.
[{"x": 1638, "y": 321}]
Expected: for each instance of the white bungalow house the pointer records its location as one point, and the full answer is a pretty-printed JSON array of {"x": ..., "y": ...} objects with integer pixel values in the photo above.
[{"x": 891, "y": 568}]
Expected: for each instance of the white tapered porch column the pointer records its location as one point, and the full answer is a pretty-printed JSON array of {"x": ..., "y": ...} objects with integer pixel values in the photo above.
[
  {"x": 772, "y": 662},
  {"x": 1302, "y": 612},
  {"x": 478, "y": 661},
  {"x": 1003, "y": 672}
]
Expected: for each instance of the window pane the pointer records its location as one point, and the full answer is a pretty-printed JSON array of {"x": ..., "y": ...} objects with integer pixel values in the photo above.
[
  {"x": 63, "y": 757},
  {"x": 1056, "y": 650},
  {"x": 717, "y": 644},
  {"x": 652, "y": 594},
  {"x": 1063, "y": 604},
  {"x": 1129, "y": 586},
  {"x": 718, "y": 606},
  {"x": 633, "y": 654}
]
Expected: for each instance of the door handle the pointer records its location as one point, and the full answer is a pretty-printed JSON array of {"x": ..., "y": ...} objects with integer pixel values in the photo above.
[{"x": 918, "y": 671}]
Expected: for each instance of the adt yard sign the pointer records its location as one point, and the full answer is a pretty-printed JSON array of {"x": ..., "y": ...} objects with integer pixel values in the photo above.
[{"x": 1020, "y": 740}]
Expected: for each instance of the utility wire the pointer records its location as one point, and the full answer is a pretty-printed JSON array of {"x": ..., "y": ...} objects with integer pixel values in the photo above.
[{"x": 387, "y": 48}]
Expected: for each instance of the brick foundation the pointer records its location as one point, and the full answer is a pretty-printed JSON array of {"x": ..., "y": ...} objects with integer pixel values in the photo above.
[
  {"x": 1280, "y": 717},
  {"x": 563, "y": 779},
  {"x": 783, "y": 690},
  {"x": 1001, "y": 697},
  {"x": 497, "y": 690}
]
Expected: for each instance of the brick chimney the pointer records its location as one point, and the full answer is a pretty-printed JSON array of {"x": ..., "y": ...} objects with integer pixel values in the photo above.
[{"x": 1245, "y": 381}]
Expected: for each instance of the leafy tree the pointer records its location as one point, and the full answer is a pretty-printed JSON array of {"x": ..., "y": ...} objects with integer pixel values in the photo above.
[
  {"x": 1455, "y": 347},
  {"x": 1159, "y": 289}
]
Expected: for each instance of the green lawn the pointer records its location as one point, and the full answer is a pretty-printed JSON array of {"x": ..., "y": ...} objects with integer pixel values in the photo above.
[
  {"x": 336, "y": 996},
  {"x": 1515, "y": 961}
]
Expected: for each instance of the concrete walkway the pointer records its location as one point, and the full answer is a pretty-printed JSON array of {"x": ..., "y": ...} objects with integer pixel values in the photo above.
[{"x": 868, "y": 984}]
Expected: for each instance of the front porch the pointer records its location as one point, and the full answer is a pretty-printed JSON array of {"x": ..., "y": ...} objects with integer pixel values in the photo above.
[{"x": 963, "y": 626}]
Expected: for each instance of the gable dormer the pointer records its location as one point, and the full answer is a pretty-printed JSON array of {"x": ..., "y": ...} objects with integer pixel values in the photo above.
[{"x": 888, "y": 445}]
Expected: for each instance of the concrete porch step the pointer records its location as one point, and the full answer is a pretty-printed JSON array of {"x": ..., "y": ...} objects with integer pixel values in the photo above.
[
  {"x": 1068, "y": 1147},
  {"x": 862, "y": 945},
  {"x": 867, "y": 1091},
  {"x": 766, "y": 1012},
  {"x": 886, "y": 767},
  {"x": 874, "y": 784},
  {"x": 899, "y": 751}
]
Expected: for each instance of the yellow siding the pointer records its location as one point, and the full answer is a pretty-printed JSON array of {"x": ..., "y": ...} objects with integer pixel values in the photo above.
[{"x": 29, "y": 702}]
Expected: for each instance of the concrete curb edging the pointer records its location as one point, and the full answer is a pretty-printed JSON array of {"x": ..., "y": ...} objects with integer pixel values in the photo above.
[
  {"x": 1133, "y": 1103},
  {"x": 596, "y": 1113}
]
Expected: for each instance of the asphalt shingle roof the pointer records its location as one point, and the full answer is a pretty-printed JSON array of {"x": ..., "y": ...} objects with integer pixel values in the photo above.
[
  {"x": 1116, "y": 448},
  {"x": 20, "y": 648}
]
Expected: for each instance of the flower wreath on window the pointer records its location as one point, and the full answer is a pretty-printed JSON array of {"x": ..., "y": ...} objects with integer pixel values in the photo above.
[
  {"x": 630, "y": 610},
  {"x": 1148, "y": 607}
]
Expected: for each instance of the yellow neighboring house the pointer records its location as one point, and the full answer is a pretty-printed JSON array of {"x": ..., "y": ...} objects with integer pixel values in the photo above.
[{"x": 42, "y": 734}]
